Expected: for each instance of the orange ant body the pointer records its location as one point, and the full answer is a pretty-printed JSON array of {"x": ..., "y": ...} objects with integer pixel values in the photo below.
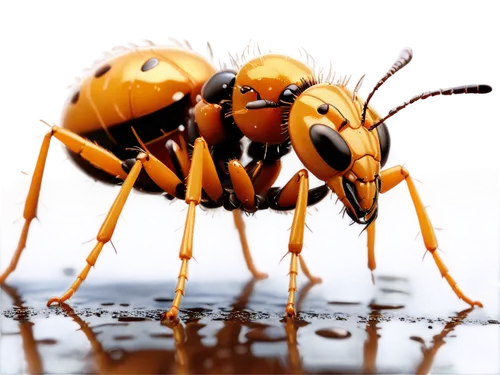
[{"x": 137, "y": 116}]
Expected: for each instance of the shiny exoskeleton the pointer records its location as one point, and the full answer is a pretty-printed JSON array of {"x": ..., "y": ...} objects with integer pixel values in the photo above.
[{"x": 163, "y": 119}]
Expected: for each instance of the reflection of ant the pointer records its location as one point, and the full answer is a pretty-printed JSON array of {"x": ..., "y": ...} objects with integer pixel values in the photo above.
[
  {"x": 190, "y": 354},
  {"x": 371, "y": 343},
  {"x": 30, "y": 345},
  {"x": 228, "y": 355},
  {"x": 437, "y": 341}
]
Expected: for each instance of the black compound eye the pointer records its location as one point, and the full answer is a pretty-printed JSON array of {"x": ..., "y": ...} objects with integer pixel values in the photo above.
[
  {"x": 102, "y": 70},
  {"x": 289, "y": 94},
  {"x": 219, "y": 87},
  {"x": 385, "y": 143},
  {"x": 323, "y": 109},
  {"x": 150, "y": 64},
  {"x": 330, "y": 146}
]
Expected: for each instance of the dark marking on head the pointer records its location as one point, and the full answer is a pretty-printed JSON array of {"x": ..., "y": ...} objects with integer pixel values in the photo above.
[
  {"x": 219, "y": 87},
  {"x": 330, "y": 145},
  {"x": 323, "y": 109},
  {"x": 75, "y": 97},
  {"x": 102, "y": 70},
  {"x": 150, "y": 64},
  {"x": 385, "y": 143}
]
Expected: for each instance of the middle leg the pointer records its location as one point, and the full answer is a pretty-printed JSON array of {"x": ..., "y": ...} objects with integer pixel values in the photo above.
[
  {"x": 244, "y": 189},
  {"x": 202, "y": 173}
]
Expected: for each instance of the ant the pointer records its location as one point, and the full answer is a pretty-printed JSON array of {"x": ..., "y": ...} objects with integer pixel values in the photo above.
[{"x": 163, "y": 119}]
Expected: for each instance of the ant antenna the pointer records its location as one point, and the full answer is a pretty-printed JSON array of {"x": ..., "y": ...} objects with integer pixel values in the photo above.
[
  {"x": 469, "y": 89},
  {"x": 404, "y": 58}
]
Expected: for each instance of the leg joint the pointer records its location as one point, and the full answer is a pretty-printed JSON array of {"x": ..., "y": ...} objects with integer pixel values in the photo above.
[
  {"x": 142, "y": 157},
  {"x": 405, "y": 172},
  {"x": 303, "y": 173}
]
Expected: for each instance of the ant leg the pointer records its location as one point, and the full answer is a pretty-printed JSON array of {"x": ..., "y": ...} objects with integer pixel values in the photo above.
[
  {"x": 371, "y": 248},
  {"x": 392, "y": 177},
  {"x": 31, "y": 203},
  {"x": 98, "y": 156},
  {"x": 297, "y": 186},
  {"x": 240, "y": 225},
  {"x": 201, "y": 173},
  {"x": 160, "y": 174},
  {"x": 263, "y": 175},
  {"x": 242, "y": 184},
  {"x": 286, "y": 199},
  {"x": 179, "y": 158},
  {"x": 105, "y": 233}
]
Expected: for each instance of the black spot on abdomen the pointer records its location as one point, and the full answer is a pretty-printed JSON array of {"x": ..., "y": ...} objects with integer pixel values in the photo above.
[
  {"x": 75, "y": 97},
  {"x": 102, "y": 70},
  {"x": 150, "y": 64}
]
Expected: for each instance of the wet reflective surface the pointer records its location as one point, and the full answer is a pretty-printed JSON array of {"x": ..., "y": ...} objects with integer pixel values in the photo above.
[{"x": 236, "y": 328}]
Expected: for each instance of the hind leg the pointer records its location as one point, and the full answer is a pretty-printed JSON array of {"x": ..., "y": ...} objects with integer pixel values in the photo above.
[
  {"x": 104, "y": 235},
  {"x": 97, "y": 156}
]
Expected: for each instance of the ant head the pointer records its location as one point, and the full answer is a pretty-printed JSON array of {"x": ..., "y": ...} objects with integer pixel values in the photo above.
[
  {"x": 326, "y": 133},
  {"x": 315, "y": 124}
]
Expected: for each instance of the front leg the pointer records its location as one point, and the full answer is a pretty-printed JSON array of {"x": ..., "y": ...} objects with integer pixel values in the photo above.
[
  {"x": 371, "y": 248},
  {"x": 392, "y": 177},
  {"x": 298, "y": 188},
  {"x": 286, "y": 198}
]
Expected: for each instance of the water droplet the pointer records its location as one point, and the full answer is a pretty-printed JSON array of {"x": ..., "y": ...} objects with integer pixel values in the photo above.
[
  {"x": 123, "y": 337},
  {"x": 333, "y": 333},
  {"x": 161, "y": 335},
  {"x": 343, "y": 303},
  {"x": 162, "y": 299},
  {"x": 389, "y": 278},
  {"x": 10, "y": 333},
  {"x": 109, "y": 325},
  {"x": 131, "y": 319},
  {"x": 379, "y": 306},
  {"x": 47, "y": 341},
  {"x": 268, "y": 334}
]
